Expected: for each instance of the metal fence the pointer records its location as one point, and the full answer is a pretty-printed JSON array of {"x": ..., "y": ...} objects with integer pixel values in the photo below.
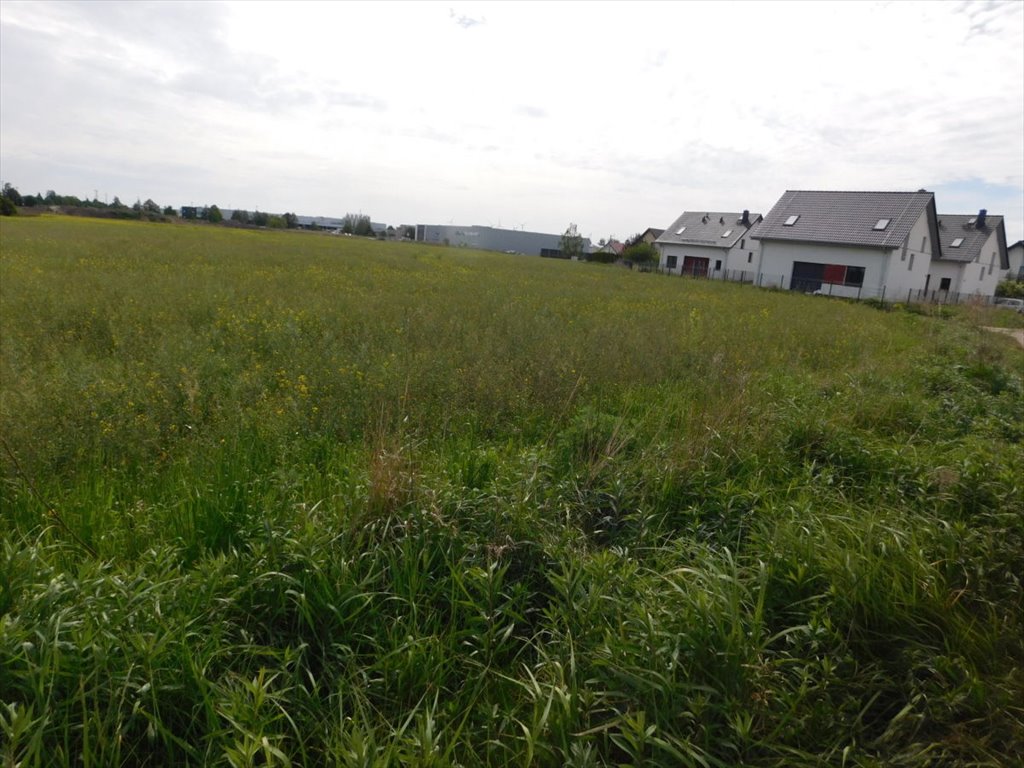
[{"x": 824, "y": 288}]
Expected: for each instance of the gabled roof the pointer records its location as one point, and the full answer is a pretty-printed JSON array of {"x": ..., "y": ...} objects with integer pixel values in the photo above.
[
  {"x": 846, "y": 218},
  {"x": 707, "y": 229},
  {"x": 964, "y": 227},
  {"x": 656, "y": 232}
]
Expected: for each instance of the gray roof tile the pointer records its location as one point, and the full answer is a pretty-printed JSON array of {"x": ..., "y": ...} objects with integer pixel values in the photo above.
[
  {"x": 844, "y": 218},
  {"x": 952, "y": 227},
  {"x": 706, "y": 228}
]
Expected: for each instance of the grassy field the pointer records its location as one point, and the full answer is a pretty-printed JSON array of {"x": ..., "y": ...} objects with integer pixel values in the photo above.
[{"x": 277, "y": 498}]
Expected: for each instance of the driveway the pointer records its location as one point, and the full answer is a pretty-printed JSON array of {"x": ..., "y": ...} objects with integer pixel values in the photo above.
[{"x": 1017, "y": 333}]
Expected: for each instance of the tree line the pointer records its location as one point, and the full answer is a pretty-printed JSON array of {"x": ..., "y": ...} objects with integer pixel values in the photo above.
[{"x": 11, "y": 199}]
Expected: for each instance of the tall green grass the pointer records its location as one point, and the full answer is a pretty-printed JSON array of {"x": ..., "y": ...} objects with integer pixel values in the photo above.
[{"x": 279, "y": 498}]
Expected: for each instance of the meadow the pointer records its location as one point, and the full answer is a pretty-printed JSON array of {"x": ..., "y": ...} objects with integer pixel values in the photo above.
[{"x": 281, "y": 498}]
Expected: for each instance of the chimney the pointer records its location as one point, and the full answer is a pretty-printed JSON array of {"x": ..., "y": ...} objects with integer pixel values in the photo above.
[
  {"x": 981, "y": 219},
  {"x": 745, "y": 221}
]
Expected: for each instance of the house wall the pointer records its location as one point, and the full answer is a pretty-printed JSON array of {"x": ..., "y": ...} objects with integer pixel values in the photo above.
[
  {"x": 696, "y": 251},
  {"x": 909, "y": 266},
  {"x": 941, "y": 269},
  {"x": 981, "y": 276},
  {"x": 777, "y": 259},
  {"x": 745, "y": 256},
  {"x": 1015, "y": 253}
]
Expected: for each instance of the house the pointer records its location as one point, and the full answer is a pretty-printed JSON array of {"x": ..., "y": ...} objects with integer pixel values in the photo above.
[
  {"x": 972, "y": 256},
  {"x": 612, "y": 246},
  {"x": 849, "y": 243},
  {"x": 710, "y": 244},
  {"x": 1015, "y": 257},
  {"x": 650, "y": 234}
]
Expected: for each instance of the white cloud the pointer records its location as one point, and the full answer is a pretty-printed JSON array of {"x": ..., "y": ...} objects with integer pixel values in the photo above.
[{"x": 617, "y": 116}]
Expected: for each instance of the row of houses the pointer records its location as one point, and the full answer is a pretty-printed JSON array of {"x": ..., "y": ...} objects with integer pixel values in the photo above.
[{"x": 855, "y": 244}]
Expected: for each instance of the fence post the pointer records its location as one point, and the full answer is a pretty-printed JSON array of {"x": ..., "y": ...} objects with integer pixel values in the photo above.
[
  {"x": 883, "y": 294},
  {"x": 909, "y": 291}
]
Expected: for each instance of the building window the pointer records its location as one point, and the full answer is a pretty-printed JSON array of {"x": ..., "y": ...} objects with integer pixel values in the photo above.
[
  {"x": 957, "y": 242},
  {"x": 670, "y": 262},
  {"x": 881, "y": 224},
  {"x": 790, "y": 221},
  {"x": 750, "y": 257},
  {"x": 982, "y": 275},
  {"x": 718, "y": 264},
  {"x": 742, "y": 241},
  {"x": 727, "y": 233},
  {"x": 680, "y": 230},
  {"x": 911, "y": 264},
  {"x": 924, "y": 244},
  {"x": 944, "y": 284},
  {"x": 990, "y": 269},
  {"x": 903, "y": 256}
]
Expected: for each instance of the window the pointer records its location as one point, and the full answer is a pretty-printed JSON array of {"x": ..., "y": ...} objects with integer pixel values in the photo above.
[
  {"x": 810, "y": 277},
  {"x": 972, "y": 220},
  {"x": 750, "y": 257},
  {"x": 742, "y": 241},
  {"x": 881, "y": 224},
  {"x": 903, "y": 255},
  {"x": 924, "y": 244},
  {"x": 727, "y": 233},
  {"x": 791, "y": 221},
  {"x": 854, "y": 276},
  {"x": 982, "y": 275},
  {"x": 944, "y": 283},
  {"x": 910, "y": 266},
  {"x": 957, "y": 242},
  {"x": 990, "y": 268},
  {"x": 671, "y": 262},
  {"x": 718, "y": 265},
  {"x": 680, "y": 230}
]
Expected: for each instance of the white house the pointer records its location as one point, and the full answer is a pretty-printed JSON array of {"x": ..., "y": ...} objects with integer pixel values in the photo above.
[
  {"x": 972, "y": 256},
  {"x": 855, "y": 244},
  {"x": 710, "y": 244},
  {"x": 1015, "y": 257}
]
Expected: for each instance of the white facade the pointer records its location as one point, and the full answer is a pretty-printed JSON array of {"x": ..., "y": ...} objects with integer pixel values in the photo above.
[
  {"x": 721, "y": 263},
  {"x": 1015, "y": 253},
  {"x": 889, "y": 273}
]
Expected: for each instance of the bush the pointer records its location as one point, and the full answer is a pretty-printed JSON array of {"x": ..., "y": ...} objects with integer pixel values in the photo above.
[{"x": 1011, "y": 289}]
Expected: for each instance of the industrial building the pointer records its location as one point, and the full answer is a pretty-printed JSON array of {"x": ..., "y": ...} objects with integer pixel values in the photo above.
[{"x": 494, "y": 239}]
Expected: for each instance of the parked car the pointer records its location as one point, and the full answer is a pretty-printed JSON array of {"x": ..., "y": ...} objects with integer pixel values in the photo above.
[{"x": 1017, "y": 305}]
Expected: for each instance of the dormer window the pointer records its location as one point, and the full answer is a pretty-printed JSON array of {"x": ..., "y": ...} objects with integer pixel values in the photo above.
[
  {"x": 957, "y": 243},
  {"x": 791, "y": 221},
  {"x": 727, "y": 233},
  {"x": 881, "y": 224},
  {"x": 680, "y": 230}
]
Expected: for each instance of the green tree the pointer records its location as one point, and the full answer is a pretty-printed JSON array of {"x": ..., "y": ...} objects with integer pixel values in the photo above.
[
  {"x": 240, "y": 215},
  {"x": 571, "y": 243},
  {"x": 291, "y": 221},
  {"x": 12, "y": 194},
  {"x": 640, "y": 253},
  {"x": 169, "y": 211},
  {"x": 7, "y": 208},
  {"x": 213, "y": 215},
  {"x": 261, "y": 219}
]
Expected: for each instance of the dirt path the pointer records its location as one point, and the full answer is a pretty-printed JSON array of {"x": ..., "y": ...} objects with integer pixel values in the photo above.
[{"x": 1017, "y": 333}]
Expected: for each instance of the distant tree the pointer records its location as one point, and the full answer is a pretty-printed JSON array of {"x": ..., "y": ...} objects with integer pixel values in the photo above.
[
  {"x": 276, "y": 222},
  {"x": 12, "y": 194},
  {"x": 150, "y": 207},
  {"x": 7, "y": 207},
  {"x": 634, "y": 240},
  {"x": 291, "y": 221},
  {"x": 602, "y": 257},
  {"x": 51, "y": 198},
  {"x": 640, "y": 253},
  {"x": 169, "y": 211},
  {"x": 30, "y": 201},
  {"x": 571, "y": 243},
  {"x": 117, "y": 202},
  {"x": 240, "y": 215},
  {"x": 357, "y": 224},
  {"x": 261, "y": 219},
  {"x": 213, "y": 215}
]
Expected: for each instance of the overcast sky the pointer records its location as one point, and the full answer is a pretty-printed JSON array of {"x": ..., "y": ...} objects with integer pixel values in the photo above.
[{"x": 615, "y": 116}]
